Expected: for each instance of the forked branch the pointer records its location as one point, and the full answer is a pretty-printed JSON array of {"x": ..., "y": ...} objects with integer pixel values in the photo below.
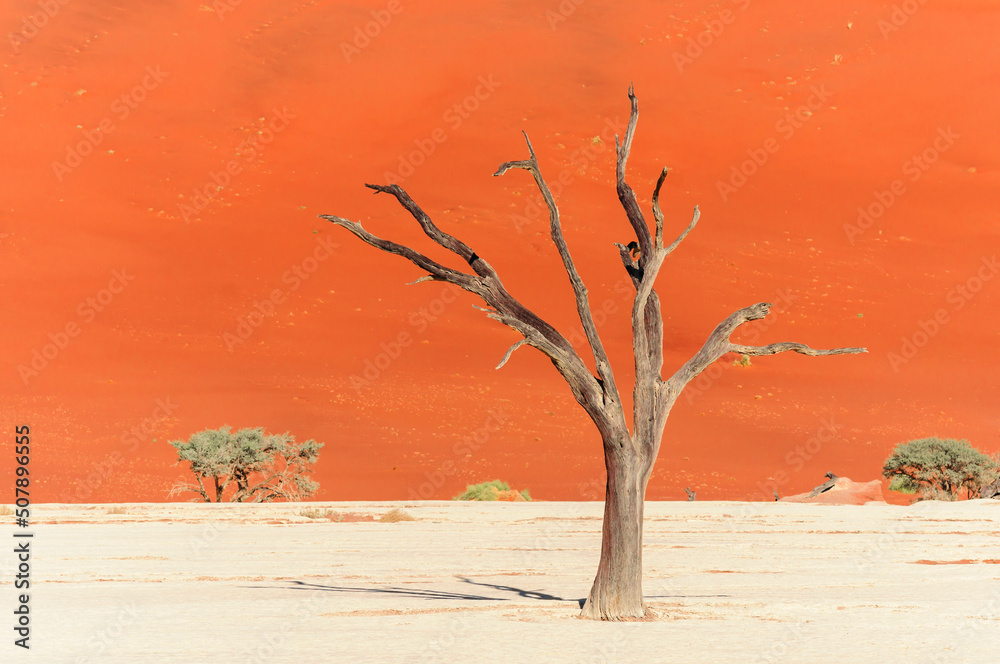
[
  {"x": 597, "y": 396},
  {"x": 625, "y": 193},
  {"x": 718, "y": 344},
  {"x": 437, "y": 271},
  {"x": 601, "y": 361}
]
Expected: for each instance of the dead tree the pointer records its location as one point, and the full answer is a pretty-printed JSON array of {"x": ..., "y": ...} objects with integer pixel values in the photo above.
[
  {"x": 692, "y": 496},
  {"x": 629, "y": 454},
  {"x": 825, "y": 486}
]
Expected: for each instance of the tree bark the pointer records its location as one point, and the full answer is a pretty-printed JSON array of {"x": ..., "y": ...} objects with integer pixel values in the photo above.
[
  {"x": 628, "y": 456},
  {"x": 617, "y": 590}
]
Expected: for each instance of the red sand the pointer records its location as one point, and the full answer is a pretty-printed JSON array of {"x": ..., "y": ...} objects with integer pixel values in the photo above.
[
  {"x": 843, "y": 492},
  {"x": 154, "y": 358},
  {"x": 957, "y": 562}
]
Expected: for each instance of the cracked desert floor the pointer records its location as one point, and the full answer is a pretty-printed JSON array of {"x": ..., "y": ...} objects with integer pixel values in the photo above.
[{"x": 463, "y": 582}]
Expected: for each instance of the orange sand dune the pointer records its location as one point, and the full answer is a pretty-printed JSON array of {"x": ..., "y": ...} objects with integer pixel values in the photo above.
[{"x": 166, "y": 271}]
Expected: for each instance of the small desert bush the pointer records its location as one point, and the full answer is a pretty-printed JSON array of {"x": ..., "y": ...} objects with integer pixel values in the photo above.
[
  {"x": 395, "y": 515},
  {"x": 5, "y": 510},
  {"x": 314, "y": 514},
  {"x": 487, "y": 491},
  {"x": 117, "y": 510},
  {"x": 483, "y": 491},
  {"x": 336, "y": 517}
]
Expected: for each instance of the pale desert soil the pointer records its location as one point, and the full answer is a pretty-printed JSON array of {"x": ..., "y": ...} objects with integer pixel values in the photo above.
[{"x": 746, "y": 582}]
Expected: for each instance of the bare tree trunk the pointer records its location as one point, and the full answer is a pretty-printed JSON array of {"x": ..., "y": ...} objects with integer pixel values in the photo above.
[
  {"x": 617, "y": 590},
  {"x": 629, "y": 456}
]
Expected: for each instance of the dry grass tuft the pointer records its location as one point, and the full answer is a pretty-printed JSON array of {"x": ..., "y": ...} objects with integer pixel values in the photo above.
[
  {"x": 395, "y": 515},
  {"x": 117, "y": 510},
  {"x": 5, "y": 510},
  {"x": 336, "y": 517}
]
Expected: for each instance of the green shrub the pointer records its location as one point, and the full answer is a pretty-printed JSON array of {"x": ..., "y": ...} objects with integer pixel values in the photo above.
[
  {"x": 248, "y": 465},
  {"x": 483, "y": 491},
  {"x": 938, "y": 468},
  {"x": 488, "y": 491},
  {"x": 314, "y": 514}
]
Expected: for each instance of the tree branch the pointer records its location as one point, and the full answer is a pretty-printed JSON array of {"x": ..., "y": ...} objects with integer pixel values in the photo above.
[
  {"x": 449, "y": 242},
  {"x": 510, "y": 351},
  {"x": 695, "y": 216},
  {"x": 625, "y": 193},
  {"x": 601, "y": 361},
  {"x": 718, "y": 344},
  {"x": 187, "y": 487},
  {"x": 440, "y": 271},
  {"x": 589, "y": 392},
  {"x": 785, "y": 346},
  {"x": 647, "y": 320},
  {"x": 426, "y": 277},
  {"x": 657, "y": 212}
]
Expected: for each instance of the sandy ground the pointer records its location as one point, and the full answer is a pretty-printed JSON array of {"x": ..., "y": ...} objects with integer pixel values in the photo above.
[{"x": 747, "y": 582}]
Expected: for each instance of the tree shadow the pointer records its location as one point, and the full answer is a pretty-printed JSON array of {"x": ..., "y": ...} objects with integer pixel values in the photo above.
[
  {"x": 432, "y": 594},
  {"x": 527, "y": 594},
  {"x": 390, "y": 590}
]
